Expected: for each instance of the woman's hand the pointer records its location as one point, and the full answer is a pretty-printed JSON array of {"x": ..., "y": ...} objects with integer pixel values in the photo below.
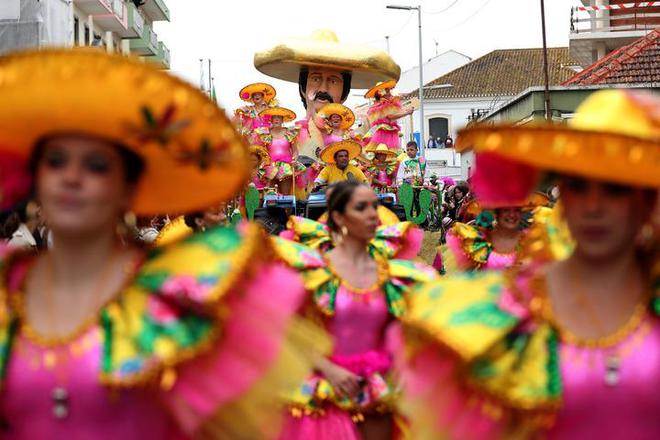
[{"x": 343, "y": 381}]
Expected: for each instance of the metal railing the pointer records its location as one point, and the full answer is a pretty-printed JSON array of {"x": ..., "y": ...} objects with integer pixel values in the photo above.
[
  {"x": 166, "y": 55},
  {"x": 153, "y": 39},
  {"x": 138, "y": 20},
  {"x": 119, "y": 8},
  {"x": 634, "y": 18}
]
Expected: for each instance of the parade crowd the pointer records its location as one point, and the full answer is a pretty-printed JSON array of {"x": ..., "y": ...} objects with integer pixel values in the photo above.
[{"x": 137, "y": 300}]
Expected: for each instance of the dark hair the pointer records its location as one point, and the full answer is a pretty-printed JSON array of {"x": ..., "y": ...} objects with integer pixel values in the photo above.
[
  {"x": 411, "y": 144},
  {"x": 133, "y": 164},
  {"x": 302, "y": 85},
  {"x": 189, "y": 219},
  {"x": 340, "y": 194},
  {"x": 463, "y": 186}
]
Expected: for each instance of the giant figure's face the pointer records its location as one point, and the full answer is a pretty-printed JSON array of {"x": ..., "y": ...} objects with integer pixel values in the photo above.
[{"x": 324, "y": 86}]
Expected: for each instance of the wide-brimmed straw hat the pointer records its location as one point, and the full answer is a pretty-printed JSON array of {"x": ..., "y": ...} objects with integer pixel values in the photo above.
[
  {"x": 286, "y": 114},
  {"x": 382, "y": 85},
  {"x": 614, "y": 136},
  {"x": 328, "y": 153},
  {"x": 346, "y": 114},
  {"x": 262, "y": 153},
  {"x": 323, "y": 49},
  {"x": 193, "y": 156},
  {"x": 381, "y": 149},
  {"x": 266, "y": 89}
]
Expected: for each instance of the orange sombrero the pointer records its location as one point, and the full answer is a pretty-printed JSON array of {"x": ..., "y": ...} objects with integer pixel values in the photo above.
[
  {"x": 264, "y": 156},
  {"x": 266, "y": 89},
  {"x": 193, "y": 156},
  {"x": 328, "y": 153},
  {"x": 380, "y": 86},
  {"x": 286, "y": 114},
  {"x": 346, "y": 114}
]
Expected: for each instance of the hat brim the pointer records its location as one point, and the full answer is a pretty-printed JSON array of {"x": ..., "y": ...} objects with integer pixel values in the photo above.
[
  {"x": 264, "y": 157},
  {"x": 592, "y": 154},
  {"x": 385, "y": 85},
  {"x": 367, "y": 65},
  {"x": 267, "y": 90},
  {"x": 193, "y": 156},
  {"x": 286, "y": 114},
  {"x": 346, "y": 114},
  {"x": 328, "y": 153}
]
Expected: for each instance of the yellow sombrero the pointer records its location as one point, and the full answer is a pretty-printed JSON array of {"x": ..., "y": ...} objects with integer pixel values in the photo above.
[
  {"x": 328, "y": 153},
  {"x": 380, "y": 86},
  {"x": 264, "y": 157},
  {"x": 614, "y": 136},
  {"x": 193, "y": 156},
  {"x": 266, "y": 89},
  {"x": 346, "y": 114},
  {"x": 381, "y": 149},
  {"x": 285, "y": 113},
  {"x": 323, "y": 49},
  {"x": 172, "y": 232}
]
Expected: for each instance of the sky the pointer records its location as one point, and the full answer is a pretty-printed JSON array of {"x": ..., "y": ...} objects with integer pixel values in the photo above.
[{"x": 229, "y": 32}]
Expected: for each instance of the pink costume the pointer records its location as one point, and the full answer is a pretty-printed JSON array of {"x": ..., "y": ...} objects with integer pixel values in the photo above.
[
  {"x": 281, "y": 153},
  {"x": 383, "y": 129},
  {"x": 520, "y": 372},
  {"x": 544, "y": 238},
  {"x": 259, "y": 179},
  {"x": 359, "y": 322},
  {"x": 150, "y": 365},
  {"x": 247, "y": 120}
]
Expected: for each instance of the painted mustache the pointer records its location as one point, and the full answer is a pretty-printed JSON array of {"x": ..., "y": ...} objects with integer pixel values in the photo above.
[{"x": 323, "y": 95}]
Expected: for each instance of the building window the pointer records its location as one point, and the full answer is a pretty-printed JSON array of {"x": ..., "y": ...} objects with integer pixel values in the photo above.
[{"x": 439, "y": 128}]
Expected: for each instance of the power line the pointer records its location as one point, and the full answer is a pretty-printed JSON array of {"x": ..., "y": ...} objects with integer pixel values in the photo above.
[
  {"x": 470, "y": 17},
  {"x": 441, "y": 10}
]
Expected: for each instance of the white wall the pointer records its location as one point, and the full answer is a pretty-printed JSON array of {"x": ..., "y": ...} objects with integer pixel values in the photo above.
[{"x": 433, "y": 68}]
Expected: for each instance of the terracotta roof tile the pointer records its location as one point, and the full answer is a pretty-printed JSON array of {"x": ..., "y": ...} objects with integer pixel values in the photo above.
[
  {"x": 505, "y": 72},
  {"x": 638, "y": 62}
]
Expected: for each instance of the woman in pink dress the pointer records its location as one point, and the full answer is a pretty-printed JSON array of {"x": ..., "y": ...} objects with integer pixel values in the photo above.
[
  {"x": 383, "y": 168},
  {"x": 359, "y": 296},
  {"x": 503, "y": 236},
  {"x": 383, "y": 115},
  {"x": 259, "y": 161},
  {"x": 280, "y": 141},
  {"x": 566, "y": 350},
  {"x": 106, "y": 340},
  {"x": 260, "y": 96},
  {"x": 336, "y": 121}
]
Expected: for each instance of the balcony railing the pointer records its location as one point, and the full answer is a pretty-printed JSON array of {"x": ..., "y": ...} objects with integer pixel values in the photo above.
[
  {"x": 119, "y": 8},
  {"x": 631, "y": 18},
  {"x": 138, "y": 19},
  {"x": 153, "y": 38}
]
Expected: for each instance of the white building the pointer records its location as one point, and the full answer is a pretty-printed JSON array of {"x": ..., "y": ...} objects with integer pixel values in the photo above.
[
  {"x": 124, "y": 26},
  {"x": 473, "y": 90}
]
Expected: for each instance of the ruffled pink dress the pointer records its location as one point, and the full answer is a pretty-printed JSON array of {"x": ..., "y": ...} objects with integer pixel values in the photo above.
[
  {"x": 111, "y": 378},
  {"x": 383, "y": 129},
  {"x": 363, "y": 324},
  {"x": 358, "y": 333},
  {"x": 557, "y": 389}
]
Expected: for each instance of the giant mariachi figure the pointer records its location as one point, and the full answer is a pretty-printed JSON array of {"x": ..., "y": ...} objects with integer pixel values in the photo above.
[{"x": 325, "y": 70}]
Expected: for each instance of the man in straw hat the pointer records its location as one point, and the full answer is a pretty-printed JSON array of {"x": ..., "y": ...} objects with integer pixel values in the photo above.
[
  {"x": 337, "y": 156},
  {"x": 325, "y": 70}
]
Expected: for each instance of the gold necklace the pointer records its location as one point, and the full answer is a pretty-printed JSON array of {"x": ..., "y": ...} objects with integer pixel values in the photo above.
[{"x": 608, "y": 343}]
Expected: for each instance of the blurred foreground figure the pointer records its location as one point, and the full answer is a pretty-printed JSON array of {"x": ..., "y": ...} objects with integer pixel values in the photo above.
[
  {"x": 567, "y": 350},
  {"x": 101, "y": 340}
]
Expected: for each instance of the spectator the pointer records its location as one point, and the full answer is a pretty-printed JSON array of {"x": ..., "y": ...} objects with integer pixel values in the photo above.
[
  {"x": 449, "y": 142},
  {"x": 432, "y": 143}
]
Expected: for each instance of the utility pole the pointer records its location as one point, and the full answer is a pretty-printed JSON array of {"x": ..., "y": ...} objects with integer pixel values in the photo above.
[{"x": 546, "y": 78}]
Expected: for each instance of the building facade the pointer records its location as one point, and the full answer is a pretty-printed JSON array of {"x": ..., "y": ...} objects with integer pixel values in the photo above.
[{"x": 118, "y": 26}]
